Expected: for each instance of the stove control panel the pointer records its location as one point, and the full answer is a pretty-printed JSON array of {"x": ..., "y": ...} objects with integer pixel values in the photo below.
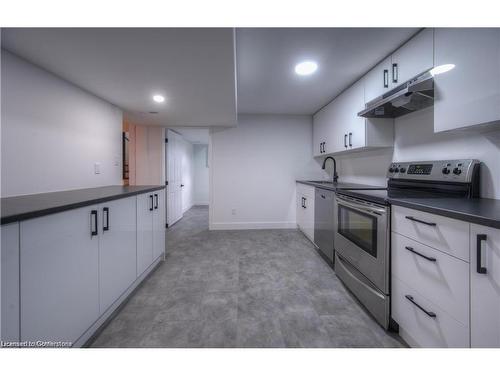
[{"x": 439, "y": 170}]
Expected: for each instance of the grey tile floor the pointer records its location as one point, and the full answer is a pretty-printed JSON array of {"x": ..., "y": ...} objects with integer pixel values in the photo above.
[{"x": 265, "y": 288}]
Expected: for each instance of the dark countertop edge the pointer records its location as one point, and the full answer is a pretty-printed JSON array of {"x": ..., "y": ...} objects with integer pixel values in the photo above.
[
  {"x": 353, "y": 186},
  {"x": 67, "y": 207},
  {"x": 321, "y": 186},
  {"x": 447, "y": 213}
]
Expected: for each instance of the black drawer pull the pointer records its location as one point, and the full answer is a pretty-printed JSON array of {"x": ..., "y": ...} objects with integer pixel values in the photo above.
[
  {"x": 93, "y": 223},
  {"x": 419, "y": 254},
  {"x": 479, "y": 266},
  {"x": 429, "y": 313},
  {"x": 386, "y": 78},
  {"x": 156, "y": 201},
  {"x": 323, "y": 196},
  {"x": 151, "y": 203},
  {"x": 105, "y": 213},
  {"x": 420, "y": 221}
]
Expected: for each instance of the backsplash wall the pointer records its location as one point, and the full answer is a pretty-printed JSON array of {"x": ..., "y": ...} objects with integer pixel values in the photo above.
[{"x": 415, "y": 140}]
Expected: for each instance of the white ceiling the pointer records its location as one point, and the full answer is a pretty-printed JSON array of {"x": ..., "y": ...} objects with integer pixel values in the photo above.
[
  {"x": 193, "y": 68},
  {"x": 266, "y": 59},
  {"x": 193, "y": 135}
]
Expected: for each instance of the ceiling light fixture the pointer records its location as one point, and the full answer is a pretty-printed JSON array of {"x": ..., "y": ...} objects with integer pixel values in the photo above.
[
  {"x": 158, "y": 98},
  {"x": 306, "y": 68},
  {"x": 441, "y": 69}
]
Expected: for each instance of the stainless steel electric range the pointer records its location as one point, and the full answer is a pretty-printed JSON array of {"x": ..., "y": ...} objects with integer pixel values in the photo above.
[{"x": 363, "y": 218}]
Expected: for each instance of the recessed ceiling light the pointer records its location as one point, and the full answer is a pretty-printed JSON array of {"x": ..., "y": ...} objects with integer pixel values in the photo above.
[
  {"x": 306, "y": 68},
  {"x": 158, "y": 98},
  {"x": 441, "y": 69}
]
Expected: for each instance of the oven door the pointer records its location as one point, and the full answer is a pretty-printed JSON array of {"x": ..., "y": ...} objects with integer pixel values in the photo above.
[{"x": 361, "y": 237}]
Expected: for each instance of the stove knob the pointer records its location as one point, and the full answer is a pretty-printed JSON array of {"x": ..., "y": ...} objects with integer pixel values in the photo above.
[
  {"x": 396, "y": 170},
  {"x": 391, "y": 170},
  {"x": 403, "y": 170},
  {"x": 446, "y": 170},
  {"x": 457, "y": 171}
]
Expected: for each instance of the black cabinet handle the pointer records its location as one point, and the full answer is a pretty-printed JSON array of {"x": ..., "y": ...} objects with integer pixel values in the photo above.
[
  {"x": 156, "y": 201},
  {"x": 324, "y": 143},
  {"x": 479, "y": 267},
  {"x": 322, "y": 196},
  {"x": 395, "y": 72},
  {"x": 182, "y": 185},
  {"x": 302, "y": 202},
  {"x": 151, "y": 203},
  {"x": 105, "y": 214},
  {"x": 305, "y": 201},
  {"x": 345, "y": 140},
  {"x": 420, "y": 221},
  {"x": 419, "y": 254},
  {"x": 320, "y": 145},
  {"x": 350, "y": 139},
  {"x": 93, "y": 220},
  {"x": 429, "y": 313},
  {"x": 386, "y": 78}
]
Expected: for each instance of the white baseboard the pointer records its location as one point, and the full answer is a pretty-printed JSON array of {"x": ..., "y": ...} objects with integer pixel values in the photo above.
[{"x": 254, "y": 225}]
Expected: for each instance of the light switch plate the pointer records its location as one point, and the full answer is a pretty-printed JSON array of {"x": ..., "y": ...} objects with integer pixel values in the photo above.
[{"x": 97, "y": 168}]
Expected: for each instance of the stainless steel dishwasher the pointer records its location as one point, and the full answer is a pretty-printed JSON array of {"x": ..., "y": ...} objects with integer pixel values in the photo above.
[{"x": 324, "y": 221}]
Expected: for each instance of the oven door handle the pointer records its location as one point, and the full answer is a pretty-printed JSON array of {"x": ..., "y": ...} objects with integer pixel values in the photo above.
[{"x": 369, "y": 210}]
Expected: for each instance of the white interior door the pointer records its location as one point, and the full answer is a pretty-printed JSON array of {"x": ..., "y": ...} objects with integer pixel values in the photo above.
[{"x": 174, "y": 176}]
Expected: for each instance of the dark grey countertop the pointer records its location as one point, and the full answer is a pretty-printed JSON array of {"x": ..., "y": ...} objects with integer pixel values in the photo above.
[
  {"x": 25, "y": 207},
  {"x": 339, "y": 185},
  {"x": 481, "y": 211}
]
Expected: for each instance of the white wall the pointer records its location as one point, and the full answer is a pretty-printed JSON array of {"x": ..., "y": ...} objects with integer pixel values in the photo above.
[
  {"x": 253, "y": 170},
  {"x": 186, "y": 149},
  {"x": 415, "y": 140},
  {"x": 201, "y": 170},
  {"x": 53, "y": 132}
]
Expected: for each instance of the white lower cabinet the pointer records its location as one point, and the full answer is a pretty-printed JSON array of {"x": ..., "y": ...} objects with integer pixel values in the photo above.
[
  {"x": 59, "y": 257},
  {"x": 450, "y": 268},
  {"x": 150, "y": 229},
  {"x": 442, "y": 279},
  {"x": 485, "y": 286},
  {"x": 159, "y": 224},
  {"x": 63, "y": 273},
  {"x": 117, "y": 249},
  {"x": 305, "y": 210},
  {"x": 145, "y": 208},
  {"x": 9, "y": 290},
  {"x": 423, "y": 323}
]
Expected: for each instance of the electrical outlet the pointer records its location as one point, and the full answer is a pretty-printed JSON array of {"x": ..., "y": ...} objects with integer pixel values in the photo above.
[
  {"x": 97, "y": 168},
  {"x": 233, "y": 212}
]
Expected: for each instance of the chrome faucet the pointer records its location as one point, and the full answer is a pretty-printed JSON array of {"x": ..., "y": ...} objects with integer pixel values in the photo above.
[{"x": 335, "y": 175}]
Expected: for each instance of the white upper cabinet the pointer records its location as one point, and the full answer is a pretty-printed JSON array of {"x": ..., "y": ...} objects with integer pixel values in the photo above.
[
  {"x": 413, "y": 58},
  {"x": 469, "y": 94},
  {"x": 337, "y": 127},
  {"x": 377, "y": 81},
  {"x": 352, "y": 132},
  {"x": 320, "y": 126},
  {"x": 485, "y": 286}
]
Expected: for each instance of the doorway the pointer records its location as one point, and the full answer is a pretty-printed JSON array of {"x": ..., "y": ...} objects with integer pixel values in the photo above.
[{"x": 186, "y": 171}]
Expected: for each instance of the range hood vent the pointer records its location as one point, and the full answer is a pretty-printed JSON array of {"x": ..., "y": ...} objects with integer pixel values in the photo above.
[{"x": 411, "y": 96}]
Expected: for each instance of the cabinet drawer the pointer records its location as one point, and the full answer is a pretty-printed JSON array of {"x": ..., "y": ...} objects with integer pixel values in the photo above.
[
  {"x": 421, "y": 330},
  {"x": 306, "y": 190},
  {"x": 448, "y": 235},
  {"x": 442, "y": 279}
]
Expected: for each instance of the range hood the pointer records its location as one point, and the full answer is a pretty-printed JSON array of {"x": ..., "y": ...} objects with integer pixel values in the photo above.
[{"x": 411, "y": 96}]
